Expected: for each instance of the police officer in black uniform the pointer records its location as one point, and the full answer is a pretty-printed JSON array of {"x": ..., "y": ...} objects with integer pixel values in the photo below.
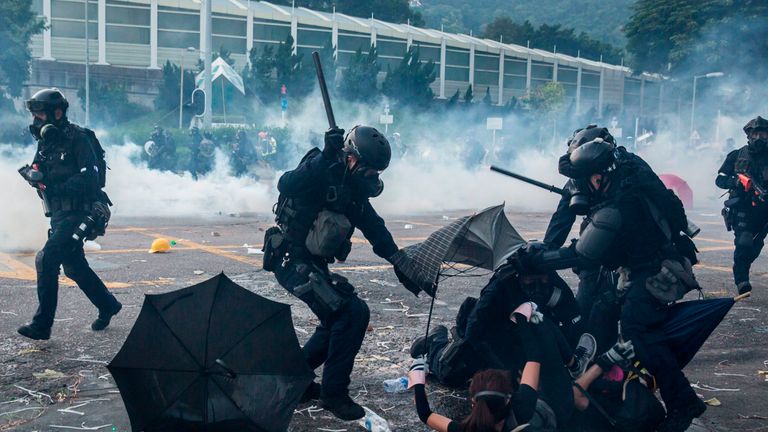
[
  {"x": 744, "y": 174},
  {"x": 321, "y": 202},
  {"x": 630, "y": 230},
  {"x": 65, "y": 172}
]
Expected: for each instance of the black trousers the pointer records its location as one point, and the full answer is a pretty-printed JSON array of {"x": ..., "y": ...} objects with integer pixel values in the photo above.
[
  {"x": 338, "y": 338},
  {"x": 599, "y": 306},
  {"x": 641, "y": 317},
  {"x": 747, "y": 250},
  {"x": 62, "y": 250}
]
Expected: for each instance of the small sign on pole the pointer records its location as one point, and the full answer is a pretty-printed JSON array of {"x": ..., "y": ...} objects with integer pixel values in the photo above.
[{"x": 494, "y": 123}]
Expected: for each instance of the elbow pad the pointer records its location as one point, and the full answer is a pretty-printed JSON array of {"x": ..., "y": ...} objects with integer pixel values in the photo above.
[
  {"x": 599, "y": 234},
  {"x": 725, "y": 181}
]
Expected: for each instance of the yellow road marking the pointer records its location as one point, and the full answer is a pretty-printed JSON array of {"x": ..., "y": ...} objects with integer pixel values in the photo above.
[
  {"x": 19, "y": 270},
  {"x": 207, "y": 248},
  {"x": 715, "y": 248},
  {"x": 711, "y": 240},
  {"x": 715, "y": 268}
]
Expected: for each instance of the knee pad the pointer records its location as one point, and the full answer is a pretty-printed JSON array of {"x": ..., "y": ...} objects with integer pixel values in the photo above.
[
  {"x": 39, "y": 261},
  {"x": 744, "y": 239}
]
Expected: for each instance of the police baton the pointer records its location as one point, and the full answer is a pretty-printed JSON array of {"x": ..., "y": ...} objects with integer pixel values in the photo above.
[{"x": 324, "y": 90}]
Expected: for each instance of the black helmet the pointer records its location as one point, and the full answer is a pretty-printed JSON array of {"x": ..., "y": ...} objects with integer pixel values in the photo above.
[
  {"x": 48, "y": 100},
  {"x": 370, "y": 147},
  {"x": 594, "y": 157},
  {"x": 757, "y": 123},
  {"x": 587, "y": 134}
]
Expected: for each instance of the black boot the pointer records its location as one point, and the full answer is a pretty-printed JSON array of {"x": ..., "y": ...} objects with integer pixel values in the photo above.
[
  {"x": 34, "y": 332},
  {"x": 744, "y": 287},
  {"x": 311, "y": 393},
  {"x": 419, "y": 348},
  {"x": 679, "y": 419},
  {"x": 343, "y": 407},
  {"x": 104, "y": 318}
]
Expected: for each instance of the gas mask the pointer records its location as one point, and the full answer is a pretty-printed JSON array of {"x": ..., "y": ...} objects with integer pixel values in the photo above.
[
  {"x": 366, "y": 181},
  {"x": 37, "y": 126},
  {"x": 580, "y": 196},
  {"x": 757, "y": 144}
]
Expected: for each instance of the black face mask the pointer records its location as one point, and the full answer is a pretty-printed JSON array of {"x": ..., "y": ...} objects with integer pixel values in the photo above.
[
  {"x": 758, "y": 145},
  {"x": 369, "y": 186}
]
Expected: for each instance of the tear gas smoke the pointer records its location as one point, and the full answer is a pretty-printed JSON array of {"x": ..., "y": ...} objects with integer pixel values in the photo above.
[{"x": 22, "y": 224}]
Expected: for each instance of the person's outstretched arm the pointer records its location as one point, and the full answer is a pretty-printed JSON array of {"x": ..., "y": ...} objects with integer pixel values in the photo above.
[{"x": 416, "y": 379}]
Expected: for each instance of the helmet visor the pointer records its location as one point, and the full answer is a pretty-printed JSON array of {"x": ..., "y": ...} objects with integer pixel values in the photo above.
[{"x": 35, "y": 105}]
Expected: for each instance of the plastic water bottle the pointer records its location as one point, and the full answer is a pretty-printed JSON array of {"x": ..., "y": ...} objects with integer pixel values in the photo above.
[
  {"x": 373, "y": 422},
  {"x": 396, "y": 385}
]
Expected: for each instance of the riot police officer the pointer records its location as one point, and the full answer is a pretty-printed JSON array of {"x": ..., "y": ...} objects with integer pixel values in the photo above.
[
  {"x": 744, "y": 174},
  {"x": 635, "y": 229},
  {"x": 66, "y": 172},
  {"x": 321, "y": 202}
]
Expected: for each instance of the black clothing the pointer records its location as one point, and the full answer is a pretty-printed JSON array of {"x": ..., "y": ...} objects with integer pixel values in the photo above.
[
  {"x": 639, "y": 246},
  {"x": 318, "y": 184},
  {"x": 746, "y": 213},
  {"x": 71, "y": 186},
  {"x": 523, "y": 405}
]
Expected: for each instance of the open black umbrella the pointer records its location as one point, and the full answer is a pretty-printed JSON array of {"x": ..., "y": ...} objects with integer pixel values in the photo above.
[
  {"x": 211, "y": 357},
  {"x": 482, "y": 240},
  {"x": 691, "y": 323}
]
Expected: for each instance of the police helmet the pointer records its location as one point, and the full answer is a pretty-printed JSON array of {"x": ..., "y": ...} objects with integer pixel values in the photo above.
[
  {"x": 370, "y": 146},
  {"x": 47, "y": 101},
  {"x": 587, "y": 134},
  {"x": 757, "y": 123},
  {"x": 151, "y": 148},
  {"x": 594, "y": 157}
]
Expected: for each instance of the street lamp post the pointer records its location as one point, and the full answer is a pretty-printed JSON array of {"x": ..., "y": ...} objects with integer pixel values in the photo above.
[
  {"x": 181, "y": 85},
  {"x": 693, "y": 101}
]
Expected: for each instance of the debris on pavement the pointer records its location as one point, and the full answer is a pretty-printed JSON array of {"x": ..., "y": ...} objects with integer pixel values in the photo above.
[
  {"x": 713, "y": 402},
  {"x": 198, "y": 272},
  {"x": 215, "y": 234},
  {"x": 49, "y": 374}
]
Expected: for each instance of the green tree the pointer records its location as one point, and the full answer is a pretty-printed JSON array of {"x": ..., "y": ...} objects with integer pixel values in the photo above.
[
  {"x": 110, "y": 105},
  {"x": 291, "y": 71},
  {"x": 454, "y": 100},
  {"x": 409, "y": 83},
  {"x": 360, "y": 78},
  {"x": 487, "y": 100},
  {"x": 168, "y": 93},
  {"x": 468, "y": 96},
  {"x": 697, "y": 36},
  {"x": 328, "y": 60},
  {"x": 18, "y": 23},
  {"x": 548, "y": 37},
  {"x": 225, "y": 55},
  {"x": 548, "y": 98},
  {"x": 398, "y": 11},
  {"x": 259, "y": 80}
]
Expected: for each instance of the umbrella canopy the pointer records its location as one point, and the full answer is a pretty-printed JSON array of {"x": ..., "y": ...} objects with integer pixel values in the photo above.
[
  {"x": 680, "y": 187},
  {"x": 691, "y": 323},
  {"x": 211, "y": 357},
  {"x": 485, "y": 239}
]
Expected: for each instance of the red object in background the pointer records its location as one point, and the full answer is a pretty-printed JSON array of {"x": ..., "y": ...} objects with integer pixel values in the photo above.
[{"x": 680, "y": 187}]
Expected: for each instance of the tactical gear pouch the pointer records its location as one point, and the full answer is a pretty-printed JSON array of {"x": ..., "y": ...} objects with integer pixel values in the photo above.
[
  {"x": 101, "y": 216},
  {"x": 328, "y": 235},
  {"x": 745, "y": 238},
  {"x": 325, "y": 295},
  {"x": 672, "y": 282},
  {"x": 273, "y": 241},
  {"x": 456, "y": 363}
]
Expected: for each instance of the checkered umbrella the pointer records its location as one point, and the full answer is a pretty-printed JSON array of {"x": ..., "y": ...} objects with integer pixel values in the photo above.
[{"x": 482, "y": 240}]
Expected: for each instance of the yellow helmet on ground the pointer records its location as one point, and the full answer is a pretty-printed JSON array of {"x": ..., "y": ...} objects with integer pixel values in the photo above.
[{"x": 160, "y": 245}]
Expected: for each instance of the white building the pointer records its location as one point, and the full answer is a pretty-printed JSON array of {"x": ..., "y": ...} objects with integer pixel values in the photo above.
[{"x": 133, "y": 38}]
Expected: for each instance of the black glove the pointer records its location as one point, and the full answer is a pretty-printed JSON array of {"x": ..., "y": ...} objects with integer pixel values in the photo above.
[
  {"x": 407, "y": 282},
  {"x": 620, "y": 354},
  {"x": 334, "y": 142}
]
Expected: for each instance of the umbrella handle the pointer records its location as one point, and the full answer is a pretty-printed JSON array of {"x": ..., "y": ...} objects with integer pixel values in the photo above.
[
  {"x": 742, "y": 296},
  {"x": 230, "y": 373}
]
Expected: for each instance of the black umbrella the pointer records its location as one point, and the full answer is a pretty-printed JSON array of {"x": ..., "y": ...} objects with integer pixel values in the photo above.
[
  {"x": 482, "y": 240},
  {"x": 691, "y": 323},
  {"x": 211, "y": 357}
]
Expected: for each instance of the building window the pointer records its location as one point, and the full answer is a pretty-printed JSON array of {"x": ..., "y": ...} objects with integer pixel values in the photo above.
[
  {"x": 427, "y": 53},
  {"x": 74, "y": 10},
  {"x": 567, "y": 74},
  {"x": 74, "y": 29},
  {"x": 176, "y": 39},
  {"x": 37, "y": 7},
  {"x": 233, "y": 45},
  {"x": 456, "y": 58},
  {"x": 391, "y": 48},
  {"x": 127, "y": 15},
  {"x": 125, "y": 34},
  {"x": 228, "y": 26},
  {"x": 589, "y": 79},
  {"x": 314, "y": 38},
  {"x": 515, "y": 67},
  {"x": 178, "y": 21},
  {"x": 486, "y": 62},
  {"x": 541, "y": 71},
  {"x": 486, "y": 78},
  {"x": 353, "y": 43},
  {"x": 271, "y": 32},
  {"x": 515, "y": 82},
  {"x": 456, "y": 74}
]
